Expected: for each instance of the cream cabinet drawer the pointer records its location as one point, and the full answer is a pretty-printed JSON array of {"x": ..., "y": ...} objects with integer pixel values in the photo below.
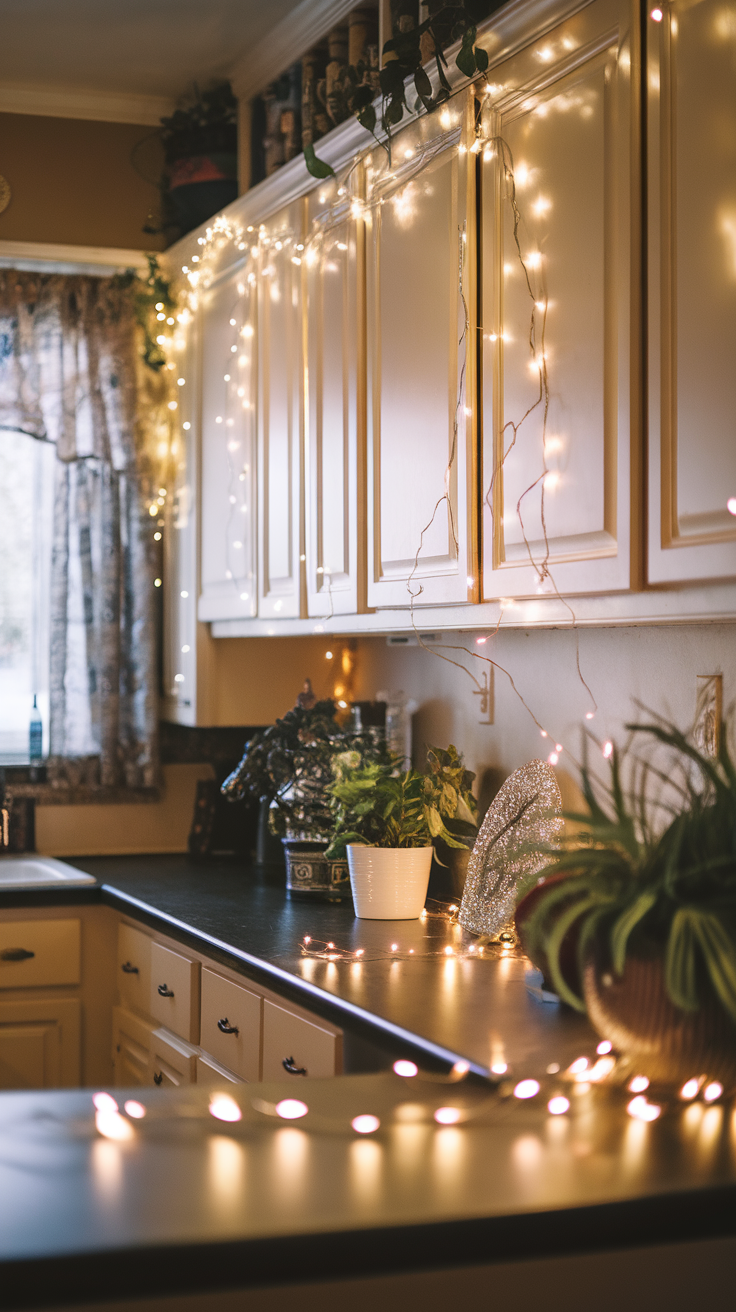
[
  {"x": 131, "y": 1048},
  {"x": 294, "y": 1046},
  {"x": 213, "y": 1076},
  {"x": 172, "y": 1063},
  {"x": 231, "y": 1025},
  {"x": 36, "y": 952},
  {"x": 174, "y": 992},
  {"x": 134, "y": 968}
]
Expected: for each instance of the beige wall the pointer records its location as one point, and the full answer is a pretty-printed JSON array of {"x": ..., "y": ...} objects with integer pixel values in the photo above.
[
  {"x": 73, "y": 182},
  {"x": 139, "y": 827},
  {"x": 257, "y": 679}
]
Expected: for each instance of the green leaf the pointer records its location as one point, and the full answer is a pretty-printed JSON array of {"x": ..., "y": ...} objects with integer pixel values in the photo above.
[
  {"x": 624, "y": 925},
  {"x": 317, "y": 167},
  {"x": 466, "y": 56},
  {"x": 367, "y": 118},
  {"x": 422, "y": 84},
  {"x": 679, "y": 966},
  {"x": 481, "y": 59}
]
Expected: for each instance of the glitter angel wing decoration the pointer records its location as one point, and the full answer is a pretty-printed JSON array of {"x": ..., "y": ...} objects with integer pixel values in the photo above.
[{"x": 526, "y": 811}]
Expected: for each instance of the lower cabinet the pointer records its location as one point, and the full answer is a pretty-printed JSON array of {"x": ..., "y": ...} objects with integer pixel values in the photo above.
[
  {"x": 131, "y": 1048},
  {"x": 297, "y": 1047},
  {"x": 231, "y": 1025},
  {"x": 173, "y": 1063},
  {"x": 210, "y": 1074},
  {"x": 40, "y": 1044}
]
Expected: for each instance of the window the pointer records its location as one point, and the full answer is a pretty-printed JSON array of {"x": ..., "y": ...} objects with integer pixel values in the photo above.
[{"x": 26, "y": 525}]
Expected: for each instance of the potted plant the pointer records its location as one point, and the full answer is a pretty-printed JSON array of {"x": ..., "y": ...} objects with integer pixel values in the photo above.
[
  {"x": 200, "y": 141},
  {"x": 288, "y": 766},
  {"x": 649, "y": 892},
  {"x": 387, "y": 821}
]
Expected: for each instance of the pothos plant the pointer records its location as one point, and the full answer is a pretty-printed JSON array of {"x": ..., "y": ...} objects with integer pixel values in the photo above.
[
  {"x": 634, "y": 885},
  {"x": 406, "y": 51},
  {"x": 378, "y": 805},
  {"x": 149, "y": 293}
]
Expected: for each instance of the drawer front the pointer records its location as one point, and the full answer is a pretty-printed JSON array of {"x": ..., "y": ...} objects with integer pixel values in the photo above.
[
  {"x": 37, "y": 952},
  {"x": 173, "y": 1064},
  {"x": 131, "y": 1048},
  {"x": 134, "y": 968},
  {"x": 174, "y": 992},
  {"x": 231, "y": 1025},
  {"x": 212, "y": 1076},
  {"x": 305, "y": 1047}
]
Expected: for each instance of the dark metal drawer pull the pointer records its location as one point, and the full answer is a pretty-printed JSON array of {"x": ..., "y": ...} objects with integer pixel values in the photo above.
[
  {"x": 16, "y": 954},
  {"x": 165, "y": 992},
  {"x": 128, "y": 969},
  {"x": 290, "y": 1065},
  {"x": 225, "y": 1027},
  {"x": 158, "y": 1078}
]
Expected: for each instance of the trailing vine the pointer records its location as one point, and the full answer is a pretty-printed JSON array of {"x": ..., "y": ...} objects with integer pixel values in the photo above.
[
  {"x": 405, "y": 56},
  {"x": 154, "y": 304}
]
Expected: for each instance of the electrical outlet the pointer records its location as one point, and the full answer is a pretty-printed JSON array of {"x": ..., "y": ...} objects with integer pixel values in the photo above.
[{"x": 708, "y": 714}]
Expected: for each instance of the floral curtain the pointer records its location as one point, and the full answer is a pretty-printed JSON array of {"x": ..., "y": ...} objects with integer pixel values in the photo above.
[{"x": 68, "y": 376}]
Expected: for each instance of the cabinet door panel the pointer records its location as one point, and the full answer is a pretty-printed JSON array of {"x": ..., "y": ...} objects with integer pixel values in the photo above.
[
  {"x": 421, "y": 469},
  {"x": 131, "y": 1048},
  {"x": 172, "y": 1064},
  {"x": 558, "y": 310},
  {"x": 40, "y": 1044},
  {"x": 692, "y": 293},
  {"x": 280, "y": 454},
  {"x": 175, "y": 992},
  {"x": 36, "y": 952},
  {"x": 228, "y": 570},
  {"x": 231, "y": 1024},
  {"x": 134, "y": 968},
  {"x": 334, "y": 441},
  {"x": 308, "y": 1049}
]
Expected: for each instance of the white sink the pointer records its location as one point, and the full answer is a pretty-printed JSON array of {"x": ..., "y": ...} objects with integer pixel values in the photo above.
[{"x": 39, "y": 872}]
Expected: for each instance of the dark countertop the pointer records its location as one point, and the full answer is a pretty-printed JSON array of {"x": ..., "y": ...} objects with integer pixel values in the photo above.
[{"x": 443, "y": 1008}]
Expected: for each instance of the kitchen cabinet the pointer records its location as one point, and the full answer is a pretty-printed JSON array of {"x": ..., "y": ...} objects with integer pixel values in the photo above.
[
  {"x": 226, "y": 316},
  {"x": 134, "y": 968},
  {"x": 131, "y": 1048},
  {"x": 691, "y": 126},
  {"x": 297, "y": 1046},
  {"x": 172, "y": 1062},
  {"x": 280, "y": 415},
  {"x": 230, "y": 1027},
  {"x": 421, "y": 332},
  {"x": 561, "y": 445},
  {"x": 39, "y": 952},
  {"x": 40, "y": 1043},
  {"x": 334, "y": 439},
  {"x": 174, "y": 993}
]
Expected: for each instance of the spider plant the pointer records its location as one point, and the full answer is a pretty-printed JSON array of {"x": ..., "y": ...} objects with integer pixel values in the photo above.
[{"x": 651, "y": 875}]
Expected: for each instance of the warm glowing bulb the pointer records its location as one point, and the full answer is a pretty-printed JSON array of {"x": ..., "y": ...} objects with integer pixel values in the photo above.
[
  {"x": 447, "y": 1115},
  {"x": 638, "y": 1084},
  {"x": 499, "y": 1068},
  {"x": 135, "y": 1109},
  {"x": 224, "y": 1108},
  {"x": 104, "y": 1102},
  {"x": 604, "y": 1046},
  {"x": 589, "y": 715},
  {"x": 460, "y": 1068},
  {"x": 111, "y": 1125},
  {"x": 712, "y": 1091},
  {"x": 394, "y": 947},
  {"x": 578, "y": 1066},
  {"x": 526, "y": 1089},
  {"x": 608, "y": 749},
  {"x": 328, "y": 655},
  {"x": 731, "y": 505},
  {"x": 365, "y": 1124},
  {"x": 689, "y": 1089},
  {"x": 449, "y": 952},
  {"x": 642, "y": 1110},
  {"x": 558, "y": 1105},
  {"x": 291, "y": 1109},
  {"x": 553, "y": 758},
  {"x": 406, "y": 1069},
  {"x": 656, "y": 15}
]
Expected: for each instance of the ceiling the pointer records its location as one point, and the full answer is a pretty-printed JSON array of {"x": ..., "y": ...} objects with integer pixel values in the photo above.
[{"x": 133, "y": 48}]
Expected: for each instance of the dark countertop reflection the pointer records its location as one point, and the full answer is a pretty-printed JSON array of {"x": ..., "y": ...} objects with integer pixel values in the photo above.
[{"x": 477, "y": 1009}]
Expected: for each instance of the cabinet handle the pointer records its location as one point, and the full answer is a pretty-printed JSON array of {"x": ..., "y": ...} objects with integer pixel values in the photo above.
[
  {"x": 165, "y": 992},
  {"x": 16, "y": 954},
  {"x": 128, "y": 969},
  {"x": 158, "y": 1078},
  {"x": 225, "y": 1027},
  {"x": 290, "y": 1065}
]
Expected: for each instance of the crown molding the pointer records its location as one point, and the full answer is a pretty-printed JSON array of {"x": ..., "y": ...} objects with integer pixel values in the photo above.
[
  {"x": 99, "y": 106},
  {"x": 45, "y": 257},
  {"x": 286, "y": 42}
]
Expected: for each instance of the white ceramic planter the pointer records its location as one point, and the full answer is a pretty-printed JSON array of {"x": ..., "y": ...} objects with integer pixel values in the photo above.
[{"x": 389, "y": 883}]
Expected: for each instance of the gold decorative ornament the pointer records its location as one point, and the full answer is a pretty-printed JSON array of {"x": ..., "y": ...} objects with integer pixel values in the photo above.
[{"x": 5, "y": 193}]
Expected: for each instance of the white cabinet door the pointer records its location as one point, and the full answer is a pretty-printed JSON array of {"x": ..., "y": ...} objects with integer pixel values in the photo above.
[
  {"x": 421, "y": 365},
  {"x": 334, "y": 439},
  {"x": 227, "y": 328},
  {"x": 560, "y": 312},
  {"x": 280, "y": 398},
  {"x": 692, "y": 292}
]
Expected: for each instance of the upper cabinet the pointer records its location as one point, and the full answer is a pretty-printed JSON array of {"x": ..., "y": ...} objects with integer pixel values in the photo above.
[
  {"x": 226, "y": 316},
  {"x": 334, "y": 437},
  {"x": 691, "y": 81},
  {"x": 560, "y": 311},
  {"x": 279, "y": 404},
  {"x": 420, "y": 253}
]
